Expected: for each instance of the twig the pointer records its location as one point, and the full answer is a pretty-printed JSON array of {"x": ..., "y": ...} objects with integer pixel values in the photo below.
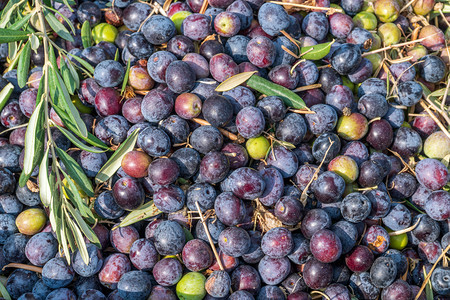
[
  {"x": 396, "y": 46},
  {"x": 438, "y": 122},
  {"x": 24, "y": 267},
  {"x": 314, "y": 177},
  {"x": 302, "y": 111},
  {"x": 211, "y": 243},
  {"x": 407, "y": 5},
  {"x": 226, "y": 133},
  {"x": 425, "y": 282},
  {"x": 321, "y": 294},
  {"x": 292, "y": 40},
  {"x": 330, "y": 10},
  {"x": 410, "y": 228},
  {"x": 204, "y": 7},
  {"x": 289, "y": 52},
  {"x": 308, "y": 87}
]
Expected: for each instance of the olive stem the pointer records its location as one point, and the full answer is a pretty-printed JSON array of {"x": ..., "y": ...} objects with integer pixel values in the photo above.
[
  {"x": 330, "y": 10},
  {"x": 441, "y": 126},
  {"x": 425, "y": 282},
  {"x": 24, "y": 267},
  {"x": 396, "y": 46},
  {"x": 226, "y": 133}
]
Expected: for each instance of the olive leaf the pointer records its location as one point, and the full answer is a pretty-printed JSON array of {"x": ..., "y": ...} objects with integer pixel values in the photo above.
[
  {"x": 234, "y": 81},
  {"x": 318, "y": 51},
  {"x": 84, "y": 63},
  {"x": 125, "y": 78},
  {"x": 86, "y": 35},
  {"x": 34, "y": 143},
  {"x": 5, "y": 94},
  {"x": 76, "y": 172},
  {"x": 8, "y": 35},
  {"x": 4, "y": 292},
  {"x": 45, "y": 190},
  {"x": 8, "y": 11},
  {"x": 57, "y": 26},
  {"x": 19, "y": 24},
  {"x": 24, "y": 65},
  {"x": 77, "y": 142},
  {"x": 69, "y": 81},
  {"x": 34, "y": 41},
  {"x": 113, "y": 164},
  {"x": 88, "y": 232},
  {"x": 68, "y": 22},
  {"x": 145, "y": 211}
]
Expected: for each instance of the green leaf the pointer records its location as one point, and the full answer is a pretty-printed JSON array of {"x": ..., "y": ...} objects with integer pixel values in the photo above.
[
  {"x": 145, "y": 211},
  {"x": 8, "y": 11},
  {"x": 113, "y": 164},
  {"x": 73, "y": 194},
  {"x": 57, "y": 26},
  {"x": 19, "y": 24},
  {"x": 62, "y": 100},
  {"x": 83, "y": 63},
  {"x": 269, "y": 88},
  {"x": 91, "y": 139},
  {"x": 45, "y": 190},
  {"x": 5, "y": 93},
  {"x": 67, "y": 76},
  {"x": 125, "y": 78},
  {"x": 319, "y": 51},
  {"x": 65, "y": 237},
  {"x": 117, "y": 55},
  {"x": 87, "y": 230},
  {"x": 8, "y": 35},
  {"x": 24, "y": 65},
  {"x": 76, "y": 172},
  {"x": 77, "y": 142},
  {"x": 12, "y": 49},
  {"x": 4, "y": 292},
  {"x": 68, "y": 22},
  {"x": 55, "y": 217},
  {"x": 34, "y": 41},
  {"x": 81, "y": 244},
  {"x": 74, "y": 74},
  {"x": 34, "y": 143},
  {"x": 86, "y": 37}
]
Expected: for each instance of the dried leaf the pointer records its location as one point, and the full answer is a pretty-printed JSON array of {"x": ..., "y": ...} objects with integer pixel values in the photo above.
[{"x": 234, "y": 81}]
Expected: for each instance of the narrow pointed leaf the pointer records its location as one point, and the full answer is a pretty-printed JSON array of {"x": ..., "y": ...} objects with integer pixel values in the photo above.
[
  {"x": 34, "y": 143},
  {"x": 24, "y": 65},
  {"x": 72, "y": 191},
  {"x": 67, "y": 76},
  {"x": 86, "y": 37},
  {"x": 76, "y": 172},
  {"x": 234, "y": 81},
  {"x": 79, "y": 239},
  {"x": 113, "y": 164},
  {"x": 146, "y": 211},
  {"x": 87, "y": 230},
  {"x": 8, "y": 35},
  {"x": 45, "y": 190},
  {"x": 125, "y": 78},
  {"x": 8, "y": 11},
  {"x": 19, "y": 24},
  {"x": 84, "y": 63},
  {"x": 64, "y": 240},
  {"x": 116, "y": 56},
  {"x": 5, "y": 94},
  {"x": 269, "y": 88},
  {"x": 57, "y": 26},
  {"x": 91, "y": 139},
  {"x": 4, "y": 292},
  {"x": 74, "y": 74},
  {"x": 34, "y": 42},
  {"x": 63, "y": 100},
  {"x": 319, "y": 51},
  {"x": 68, "y": 22},
  {"x": 77, "y": 142}
]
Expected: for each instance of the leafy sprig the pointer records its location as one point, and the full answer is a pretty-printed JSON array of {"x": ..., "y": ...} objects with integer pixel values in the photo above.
[{"x": 63, "y": 186}]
